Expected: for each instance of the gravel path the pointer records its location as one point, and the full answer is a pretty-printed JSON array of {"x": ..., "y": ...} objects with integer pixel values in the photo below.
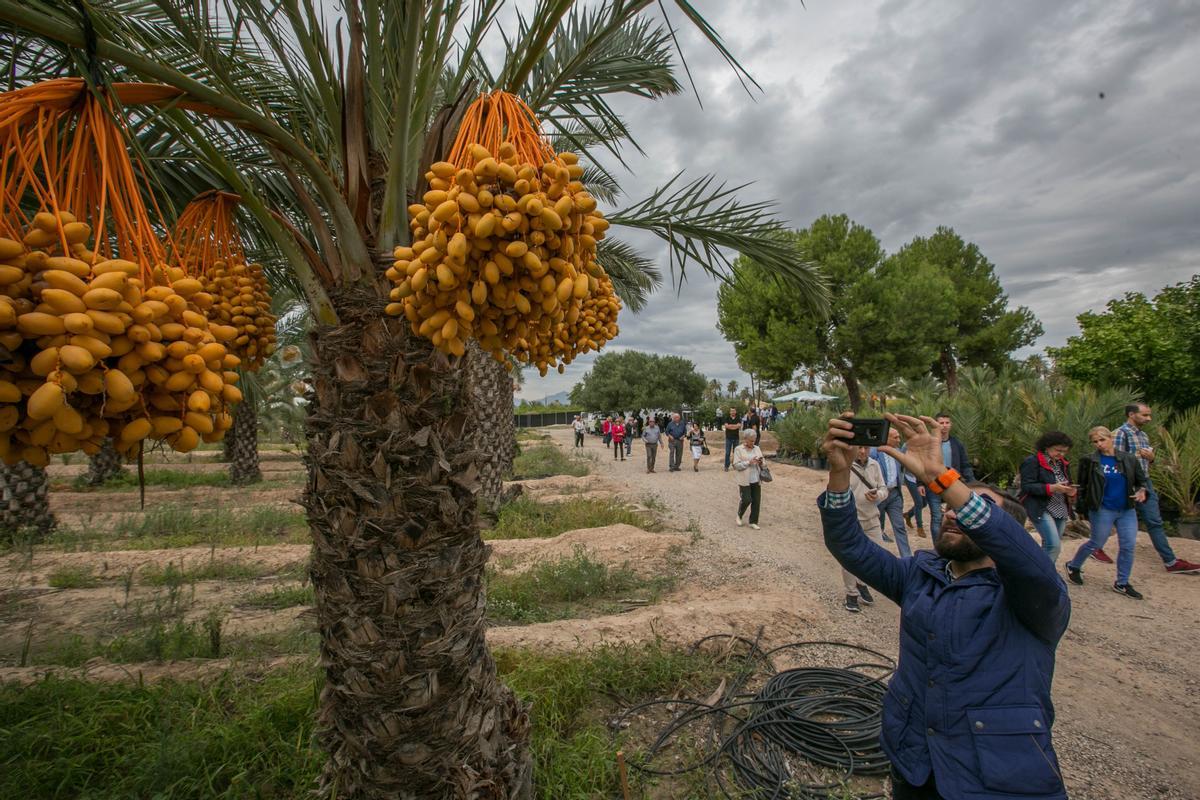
[{"x": 1127, "y": 677}]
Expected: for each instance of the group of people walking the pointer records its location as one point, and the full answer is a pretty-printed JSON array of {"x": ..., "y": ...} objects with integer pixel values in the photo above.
[
  {"x": 1111, "y": 490},
  {"x": 671, "y": 433}
]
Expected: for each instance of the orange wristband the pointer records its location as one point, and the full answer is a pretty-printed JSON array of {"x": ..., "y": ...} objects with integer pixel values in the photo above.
[{"x": 942, "y": 482}]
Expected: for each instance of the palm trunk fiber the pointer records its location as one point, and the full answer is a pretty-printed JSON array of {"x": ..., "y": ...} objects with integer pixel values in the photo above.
[
  {"x": 105, "y": 465},
  {"x": 490, "y": 427},
  {"x": 241, "y": 446},
  {"x": 412, "y": 706},
  {"x": 24, "y": 504}
]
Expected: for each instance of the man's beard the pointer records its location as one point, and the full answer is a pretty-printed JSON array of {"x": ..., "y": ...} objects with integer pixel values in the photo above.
[{"x": 961, "y": 549}]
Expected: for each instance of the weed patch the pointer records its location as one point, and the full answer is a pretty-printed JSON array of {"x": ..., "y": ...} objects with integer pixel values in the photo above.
[
  {"x": 247, "y": 735},
  {"x": 569, "y": 587},
  {"x": 232, "y": 738},
  {"x": 280, "y": 597},
  {"x": 166, "y": 526},
  {"x": 169, "y": 479},
  {"x": 525, "y": 518},
  {"x": 545, "y": 460},
  {"x": 73, "y": 578}
]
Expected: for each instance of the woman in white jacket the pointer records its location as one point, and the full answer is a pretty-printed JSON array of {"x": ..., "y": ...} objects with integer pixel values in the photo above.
[
  {"x": 747, "y": 459},
  {"x": 866, "y": 484}
]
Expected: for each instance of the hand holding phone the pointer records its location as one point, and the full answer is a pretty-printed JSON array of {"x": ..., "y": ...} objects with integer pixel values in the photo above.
[{"x": 869, "y": 432}]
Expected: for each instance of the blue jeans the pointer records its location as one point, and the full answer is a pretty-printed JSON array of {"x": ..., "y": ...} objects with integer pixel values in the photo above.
[
  {"x": 1102, "y": 521},
  {"x": 935, "y": 514},
  {"x": 918, "y": 502},
  {"x": 893, "y": 508},
  {"x": 1051, "y": 529},
  {"x": 1152, "y": 518},
  {"x": 729, "y": 445}
]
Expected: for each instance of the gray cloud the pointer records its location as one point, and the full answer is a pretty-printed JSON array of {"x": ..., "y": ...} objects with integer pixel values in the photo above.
[{"x": 909, "y": 114}]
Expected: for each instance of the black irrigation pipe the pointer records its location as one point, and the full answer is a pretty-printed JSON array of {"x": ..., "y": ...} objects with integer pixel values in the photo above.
[{"x": 774, "y": 741}]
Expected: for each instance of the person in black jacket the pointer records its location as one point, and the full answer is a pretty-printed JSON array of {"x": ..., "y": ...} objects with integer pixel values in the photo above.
[
  {"x": 1110, "y": 483},
  {"x": 1046, "y": 490},
  {"x": 955, "y": 455}
]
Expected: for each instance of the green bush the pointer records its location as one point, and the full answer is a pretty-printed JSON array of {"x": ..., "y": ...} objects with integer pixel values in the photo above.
[
  {"x": 525, "y": 518},
  {"x": 801, "y": 431}
]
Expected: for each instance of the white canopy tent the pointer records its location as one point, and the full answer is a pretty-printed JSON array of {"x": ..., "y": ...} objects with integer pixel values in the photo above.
[{"x": 804, "y": 396}]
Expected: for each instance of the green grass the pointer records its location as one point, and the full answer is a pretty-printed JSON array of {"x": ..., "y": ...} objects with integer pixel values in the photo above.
[
  {"x": 155, "y": 575},
  {"x": 250, "y": 736},
  {"x": 237, "y": 737},
  {"x": 524, "y": 518},
  {"x": 280, "y": 597},
  {"x": 171, "y": 479},
  {"x": 73, "y": 578},
  {"x": 165, "y": 526},
  {"x": 544, "y": 460},
  {"x": 568, "y": 587}
]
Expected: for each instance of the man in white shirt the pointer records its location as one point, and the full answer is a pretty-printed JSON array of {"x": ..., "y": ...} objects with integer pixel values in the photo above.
[{"x": 579, "y": 427}]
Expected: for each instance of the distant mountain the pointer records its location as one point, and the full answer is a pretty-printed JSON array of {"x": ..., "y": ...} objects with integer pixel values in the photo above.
[{"x": 551, "y": 399}]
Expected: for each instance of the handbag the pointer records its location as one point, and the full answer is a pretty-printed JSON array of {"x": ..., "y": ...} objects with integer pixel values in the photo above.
[
  {"x": 704, "y": 447},
  {"x": 764, "y": 474}
]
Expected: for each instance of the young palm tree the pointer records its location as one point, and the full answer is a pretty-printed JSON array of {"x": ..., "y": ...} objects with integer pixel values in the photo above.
[{"x": 332, "y": 123}]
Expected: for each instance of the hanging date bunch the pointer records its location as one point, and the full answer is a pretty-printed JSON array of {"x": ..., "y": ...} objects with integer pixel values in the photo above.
[
  {"x": 504, "y": 246},
  {"x": 99, "y": 336},
  {"x": 209, "y": 246}
]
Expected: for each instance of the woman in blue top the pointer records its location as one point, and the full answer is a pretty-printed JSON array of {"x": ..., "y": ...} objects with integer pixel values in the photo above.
[{"x": 1110, "y": 483}]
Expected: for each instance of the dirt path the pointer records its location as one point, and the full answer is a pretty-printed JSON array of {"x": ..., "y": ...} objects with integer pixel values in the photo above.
[{"x": 1127, "y": 678}]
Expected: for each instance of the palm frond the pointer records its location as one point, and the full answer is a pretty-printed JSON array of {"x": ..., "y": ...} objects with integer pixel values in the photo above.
[
  {"x": 633, "y": 275},
  {"x": 704, "y": 221}
]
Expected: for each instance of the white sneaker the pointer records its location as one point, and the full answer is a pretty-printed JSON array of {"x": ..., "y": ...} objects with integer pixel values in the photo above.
[
  {"x": 754, "y": 526},
  {"x": 739, "y": 522}
]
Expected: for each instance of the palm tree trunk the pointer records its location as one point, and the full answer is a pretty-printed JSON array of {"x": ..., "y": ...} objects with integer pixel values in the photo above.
[
  {"x": 24, "y": 504},
  {"x": 489, "y": 422},
  {"x": 241, "y": 446},
  {"x": 412, "y": 706},
  {"x": 949, "y": 371},
  {"x": 105, "y": 465}
]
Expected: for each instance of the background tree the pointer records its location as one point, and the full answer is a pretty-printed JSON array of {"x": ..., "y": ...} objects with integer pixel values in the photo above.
[
  {"x": 982, "y": 330},
  {"x": 1152, "y": 345},
  {"x": 870, "y": 331},
  {"x": 731, "y": 388},
  {"x": 632, "y": 380}
]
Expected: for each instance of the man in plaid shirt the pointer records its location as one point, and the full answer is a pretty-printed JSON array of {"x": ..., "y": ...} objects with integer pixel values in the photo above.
[{"x": 1130, "y": 438}]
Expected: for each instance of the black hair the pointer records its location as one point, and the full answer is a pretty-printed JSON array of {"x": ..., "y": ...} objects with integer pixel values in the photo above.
[
  {"x": 942, "y": 414},
  {"x": 1011, "y": 505},
  {"x": 1133, "y": 408},
  {"x": 1052, "y": 439}
]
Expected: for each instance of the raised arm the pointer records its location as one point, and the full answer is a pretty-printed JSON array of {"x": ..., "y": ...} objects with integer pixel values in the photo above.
[
  {"x": 1035, "y": 592},
  {"x": 844, "y": 536},
  {"x": 1037, "y": 596}
]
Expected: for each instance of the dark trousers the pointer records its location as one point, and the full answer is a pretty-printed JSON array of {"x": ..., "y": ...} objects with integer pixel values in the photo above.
[
  {"x": 618, "y": 449},
  {"x": 751, "y": 499},
  {"x": 903, "y": 790},
  {"x": 729, "y": 445},
  {"x": 651, "y": 455},
  {"x": 676, "y": 448},
  {"x": 578, "y": 438}
]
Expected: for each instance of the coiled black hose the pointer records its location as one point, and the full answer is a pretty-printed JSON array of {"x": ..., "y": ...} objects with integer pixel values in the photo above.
[{"x": 800, "y": 736}]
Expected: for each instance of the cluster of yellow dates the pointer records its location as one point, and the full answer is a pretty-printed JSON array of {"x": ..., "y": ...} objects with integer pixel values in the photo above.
[
  {"x": 505, "y": 253},
  {"x": 242, "y": 299},
  {"x": 89, "y": 351}
]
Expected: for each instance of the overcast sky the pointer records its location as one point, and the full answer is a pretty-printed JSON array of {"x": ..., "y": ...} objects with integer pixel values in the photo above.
[{"x": 909, "y": 114}]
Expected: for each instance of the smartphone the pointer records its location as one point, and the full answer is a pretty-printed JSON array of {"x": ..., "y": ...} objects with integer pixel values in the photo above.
[{"x": 869, "y": 432}]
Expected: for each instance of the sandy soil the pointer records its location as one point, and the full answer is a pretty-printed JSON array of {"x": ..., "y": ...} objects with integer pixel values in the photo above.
[
  {"x": 1125, "y": 687},
  {"x": 1127, "y": 678}
]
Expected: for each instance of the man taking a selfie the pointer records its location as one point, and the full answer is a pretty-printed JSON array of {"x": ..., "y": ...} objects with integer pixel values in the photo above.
[{"x": 967, "y": 714}]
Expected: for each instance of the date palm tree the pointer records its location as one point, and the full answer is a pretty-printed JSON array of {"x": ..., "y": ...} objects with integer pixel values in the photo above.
[{"x": 331, "y": 120}]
